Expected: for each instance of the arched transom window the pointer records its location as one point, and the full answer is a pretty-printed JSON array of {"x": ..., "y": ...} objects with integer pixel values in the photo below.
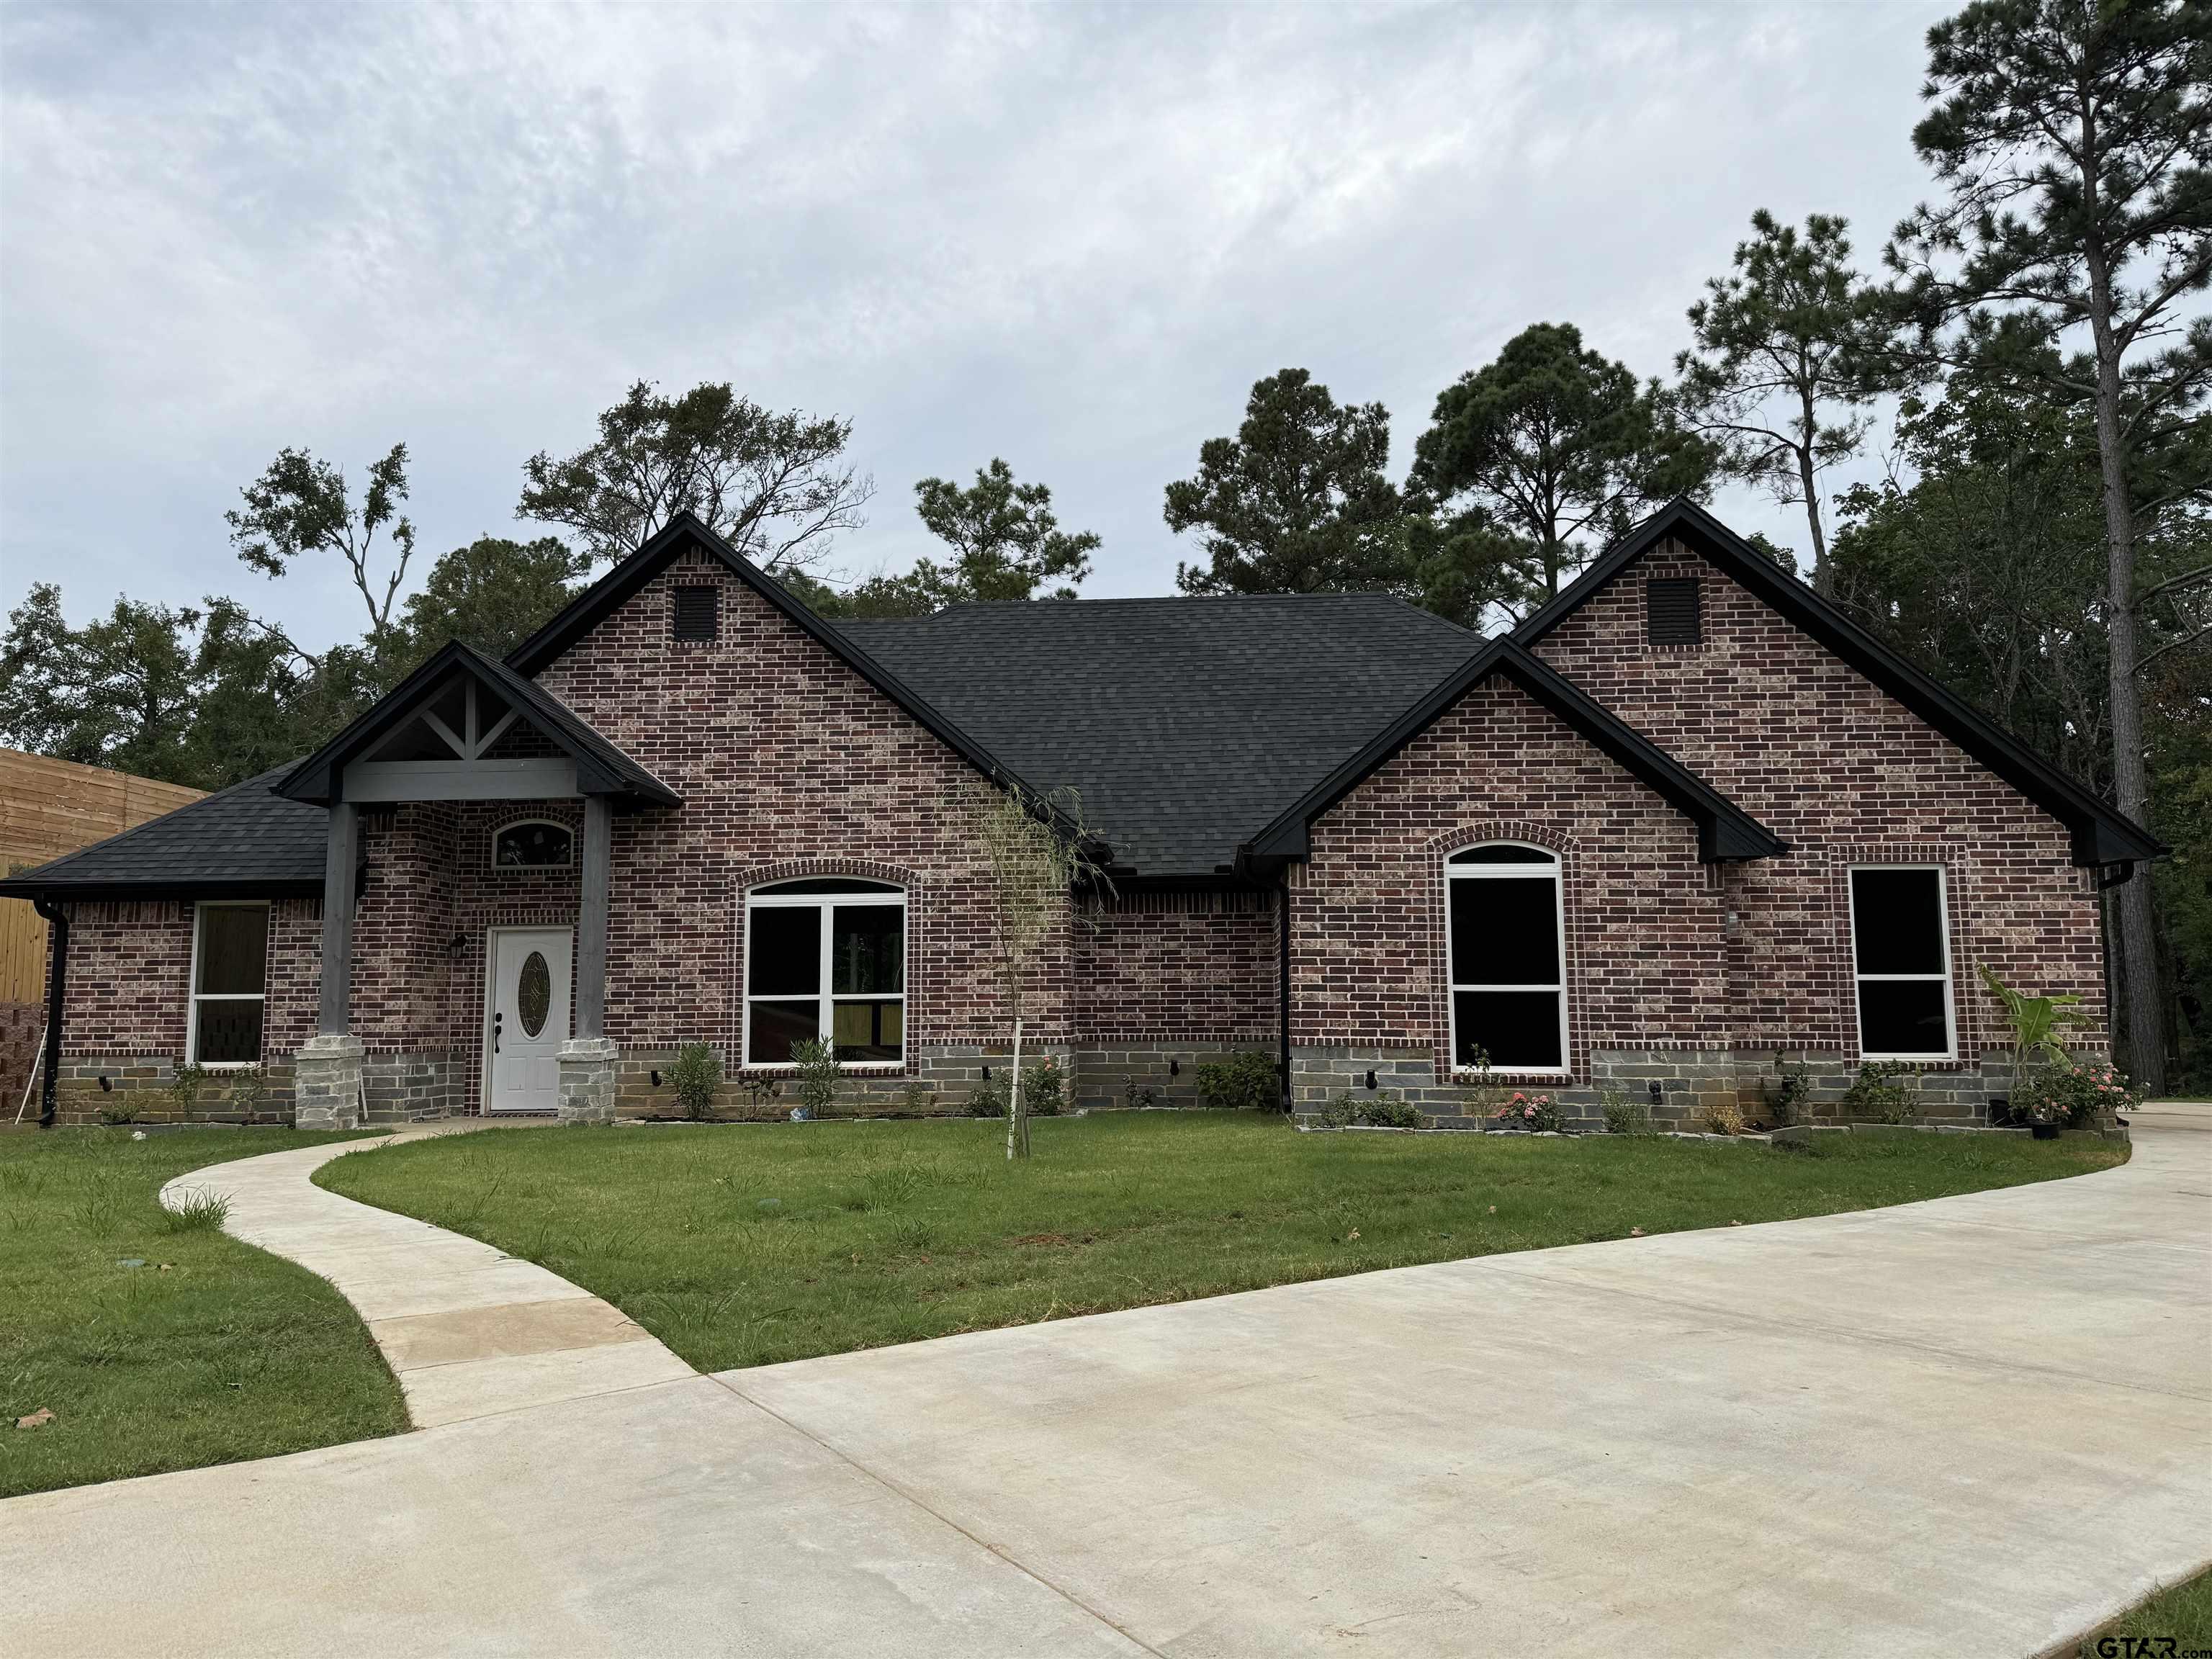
[
  {"x": 825, "y": 957},
  {"x": 1505, "y": 938},
  {"x": 533, "y": 844}
]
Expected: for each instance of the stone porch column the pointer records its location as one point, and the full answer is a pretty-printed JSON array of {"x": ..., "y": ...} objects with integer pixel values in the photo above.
[
  {"x": 326, "y": 1076},
  {"x": 588, "y": 1060}
]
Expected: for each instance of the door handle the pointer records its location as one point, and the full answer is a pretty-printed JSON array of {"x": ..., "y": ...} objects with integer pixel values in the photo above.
[{"x": 497, "y": 1021}]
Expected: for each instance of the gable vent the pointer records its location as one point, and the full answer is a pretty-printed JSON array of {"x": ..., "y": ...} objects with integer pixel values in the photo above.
[
  {"x": 698, "y": 613},
  {"x": 1671, "y": 614}
]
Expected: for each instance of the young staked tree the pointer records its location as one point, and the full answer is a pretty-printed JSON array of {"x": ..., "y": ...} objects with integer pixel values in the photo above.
[
  {"x": 1038, "y": 853},
  {"x": 301, "y": 505},
  {"x": 1298, "y": 502},
  {"x": 2074, "y": 138},
  {"x": 1791, "y": 351},
  {"x": 1550, "y": 451},
  {"x": 777, "y": 487}
]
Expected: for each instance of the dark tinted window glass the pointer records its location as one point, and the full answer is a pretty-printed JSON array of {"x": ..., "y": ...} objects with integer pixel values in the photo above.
[
  {"x": 868, "y": 1030},
  {"x": 1505, "y": 932},
  {"x": 1902, "y": 1017},
  {"x": 526, "y": 846},
  {"x": 229, "y": 1032},
  {"x": 783, "y": 956},
  {"x": 1518, "y": 1029},
  {"x": 867, "y": 948},
  {"x": 776, "y": 1026},
  {"x": 233, "y": 951},
  {"x": 1896, "y": 918},
  {"x": 1671, "y": 611},
  {"x": 1499, "y": 854}
]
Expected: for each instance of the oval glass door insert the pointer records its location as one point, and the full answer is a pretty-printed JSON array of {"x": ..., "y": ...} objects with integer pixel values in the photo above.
[{"x": 534, "y": 993}]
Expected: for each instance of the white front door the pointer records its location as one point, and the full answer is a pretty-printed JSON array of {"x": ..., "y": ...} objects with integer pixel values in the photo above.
[{"x": 529, "y": 1018}]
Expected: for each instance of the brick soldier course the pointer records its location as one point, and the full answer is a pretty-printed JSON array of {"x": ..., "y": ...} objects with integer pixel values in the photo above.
[{"x": 1239, "y": 763}]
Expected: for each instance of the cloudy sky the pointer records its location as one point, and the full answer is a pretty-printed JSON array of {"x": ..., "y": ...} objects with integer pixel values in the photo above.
[{"x": 1070, "y": 237}]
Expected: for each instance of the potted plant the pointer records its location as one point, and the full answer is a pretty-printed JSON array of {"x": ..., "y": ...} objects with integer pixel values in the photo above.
[{"x": 2035, "y": 1022}]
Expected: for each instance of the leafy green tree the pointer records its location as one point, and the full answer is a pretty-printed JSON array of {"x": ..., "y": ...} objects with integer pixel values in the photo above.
[
  {"x": 777, "y": 487},
  {"x": 1298, "y": 502},
  {"x": 1006, "y": 543},
  {"x": 491, "y": 594},
  {"x": 1791, "y": 348},
  {"x": 1558, "y": 450},
  {"x": 2074, "y": 141},
  {"x": 301, "y": 505},
  {"x": 202, "y": 696}
]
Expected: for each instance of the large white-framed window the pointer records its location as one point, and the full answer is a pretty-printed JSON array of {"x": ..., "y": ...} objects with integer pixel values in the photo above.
[
  {"x": 826, "y": 956},
  {"x": 229, "y": 983},
  {"x": 1505, "y": 940},
  {"x": 1901, "y": 962}
]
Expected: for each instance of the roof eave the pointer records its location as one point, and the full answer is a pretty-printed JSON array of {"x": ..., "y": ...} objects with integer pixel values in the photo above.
[{"x": 2101, "y": 834}]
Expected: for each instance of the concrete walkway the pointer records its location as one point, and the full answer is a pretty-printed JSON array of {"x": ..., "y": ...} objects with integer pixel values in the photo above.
[
  {"x": 468, "y": 1330},
  {"x": 1975, "y": 1425}
]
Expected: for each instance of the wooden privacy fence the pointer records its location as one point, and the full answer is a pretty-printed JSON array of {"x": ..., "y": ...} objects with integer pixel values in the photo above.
[{"x": 47, "y": 808}]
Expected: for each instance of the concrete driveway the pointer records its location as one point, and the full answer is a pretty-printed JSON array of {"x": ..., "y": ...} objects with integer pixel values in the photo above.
[{"x": 1975, "y": 1425}]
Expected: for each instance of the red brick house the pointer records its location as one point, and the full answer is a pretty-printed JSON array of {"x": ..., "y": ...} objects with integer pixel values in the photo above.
[{"x": 1687, "y": 820}]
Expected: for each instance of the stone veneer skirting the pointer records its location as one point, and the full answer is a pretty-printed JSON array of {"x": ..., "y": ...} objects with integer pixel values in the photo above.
[{"x": 1690, "y": 1081}]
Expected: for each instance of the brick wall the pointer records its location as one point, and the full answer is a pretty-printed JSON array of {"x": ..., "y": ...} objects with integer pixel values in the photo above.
[
  {"x": 789, "y": 764},
  {"x": 1846, "y": 775},
  {"x": 1644, "y": 918}
]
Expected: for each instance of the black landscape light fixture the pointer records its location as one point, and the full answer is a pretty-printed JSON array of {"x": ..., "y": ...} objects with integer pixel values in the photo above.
[
  {"x": 105, "y": 1087},
  {"x": 1658, "y": 1091},
  {"x": 1370, "y": 1080}
]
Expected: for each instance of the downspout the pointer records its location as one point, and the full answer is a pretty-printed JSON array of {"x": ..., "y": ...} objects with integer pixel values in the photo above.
[
  {"x": 56, "y": 988},
  {"x": 1282, "y": 910}
]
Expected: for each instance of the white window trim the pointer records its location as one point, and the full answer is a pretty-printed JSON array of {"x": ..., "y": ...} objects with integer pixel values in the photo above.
[
  {"x": 194, "y": 996},
  {"x": 825, "y": 1018},
  {"x": 1554, "y": 870},
  {"x": 1943, "y": 917},
  {"x": 499, "y": 829}
]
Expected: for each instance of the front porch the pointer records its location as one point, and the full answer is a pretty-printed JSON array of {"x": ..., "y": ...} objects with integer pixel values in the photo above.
[{"x": 472, "y": 825}]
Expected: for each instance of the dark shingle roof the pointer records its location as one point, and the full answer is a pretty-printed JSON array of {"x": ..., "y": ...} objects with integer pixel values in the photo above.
[
  {"x": 241, "y": 840},
  {"x": 1187, "y": 725}
]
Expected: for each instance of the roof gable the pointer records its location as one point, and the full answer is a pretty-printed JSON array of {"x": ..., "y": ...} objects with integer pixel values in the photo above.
[
  {"x": 1724, "y": 829},
  {"x": 684, "y": 533},
  {"x": 601, "y": 767},
  {"x": 2101, "y": 835}
]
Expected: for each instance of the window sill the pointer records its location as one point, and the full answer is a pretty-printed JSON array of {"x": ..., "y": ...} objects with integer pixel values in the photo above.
[
  {"x": 785, "y": 1068},
  {"x": 1909, "y": 1060},
  {"x": 224, "y": 1065},
  {"x": 1462, "y": 1077}
]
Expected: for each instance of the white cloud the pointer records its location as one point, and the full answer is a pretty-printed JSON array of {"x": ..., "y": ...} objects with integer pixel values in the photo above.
[{"x": 1070, "y": 237}]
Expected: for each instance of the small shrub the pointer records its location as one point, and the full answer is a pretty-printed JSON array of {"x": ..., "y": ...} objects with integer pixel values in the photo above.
[
  {"x": 1527, "y": 1111},
  {"x": 119, "y": 1110},
  {"x": 1384, "y": 1112},
  {"x": 197, "y": 1210},
  {"x": 248, "y": 1093},
  {"x": 816, "y": 1062},
  {"x": 1246, "y": 1081},
  {"x": 917, "y": 1099},
  {"x": 988, "y": 1098},
  {"x": 1044, "y": 1089},
  {"x": 696, "y": 1075},
  {"x": 1625, "y": 1114},
  {"x": 184, "y": 1092},
  {"x": 1483, "y": 1097},
  {"x": 1885, "y": 1092},
  {"x": 2078, "y": 1095},
  {"x": 1724, "y": 1117},
  {"x": 1786, "y": 1099},
  {"x": 1138, "y": 1095},
  {"x": 761, "y": 1092},
  {"x": 1340, "y": 1112}
]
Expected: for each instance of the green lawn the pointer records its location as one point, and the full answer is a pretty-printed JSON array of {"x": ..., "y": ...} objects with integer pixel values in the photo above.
[
  {"x": 2180, "y": 1614},
  {"x": 740, "y": 1246},
  {"x": 210, "y": 1352}
]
